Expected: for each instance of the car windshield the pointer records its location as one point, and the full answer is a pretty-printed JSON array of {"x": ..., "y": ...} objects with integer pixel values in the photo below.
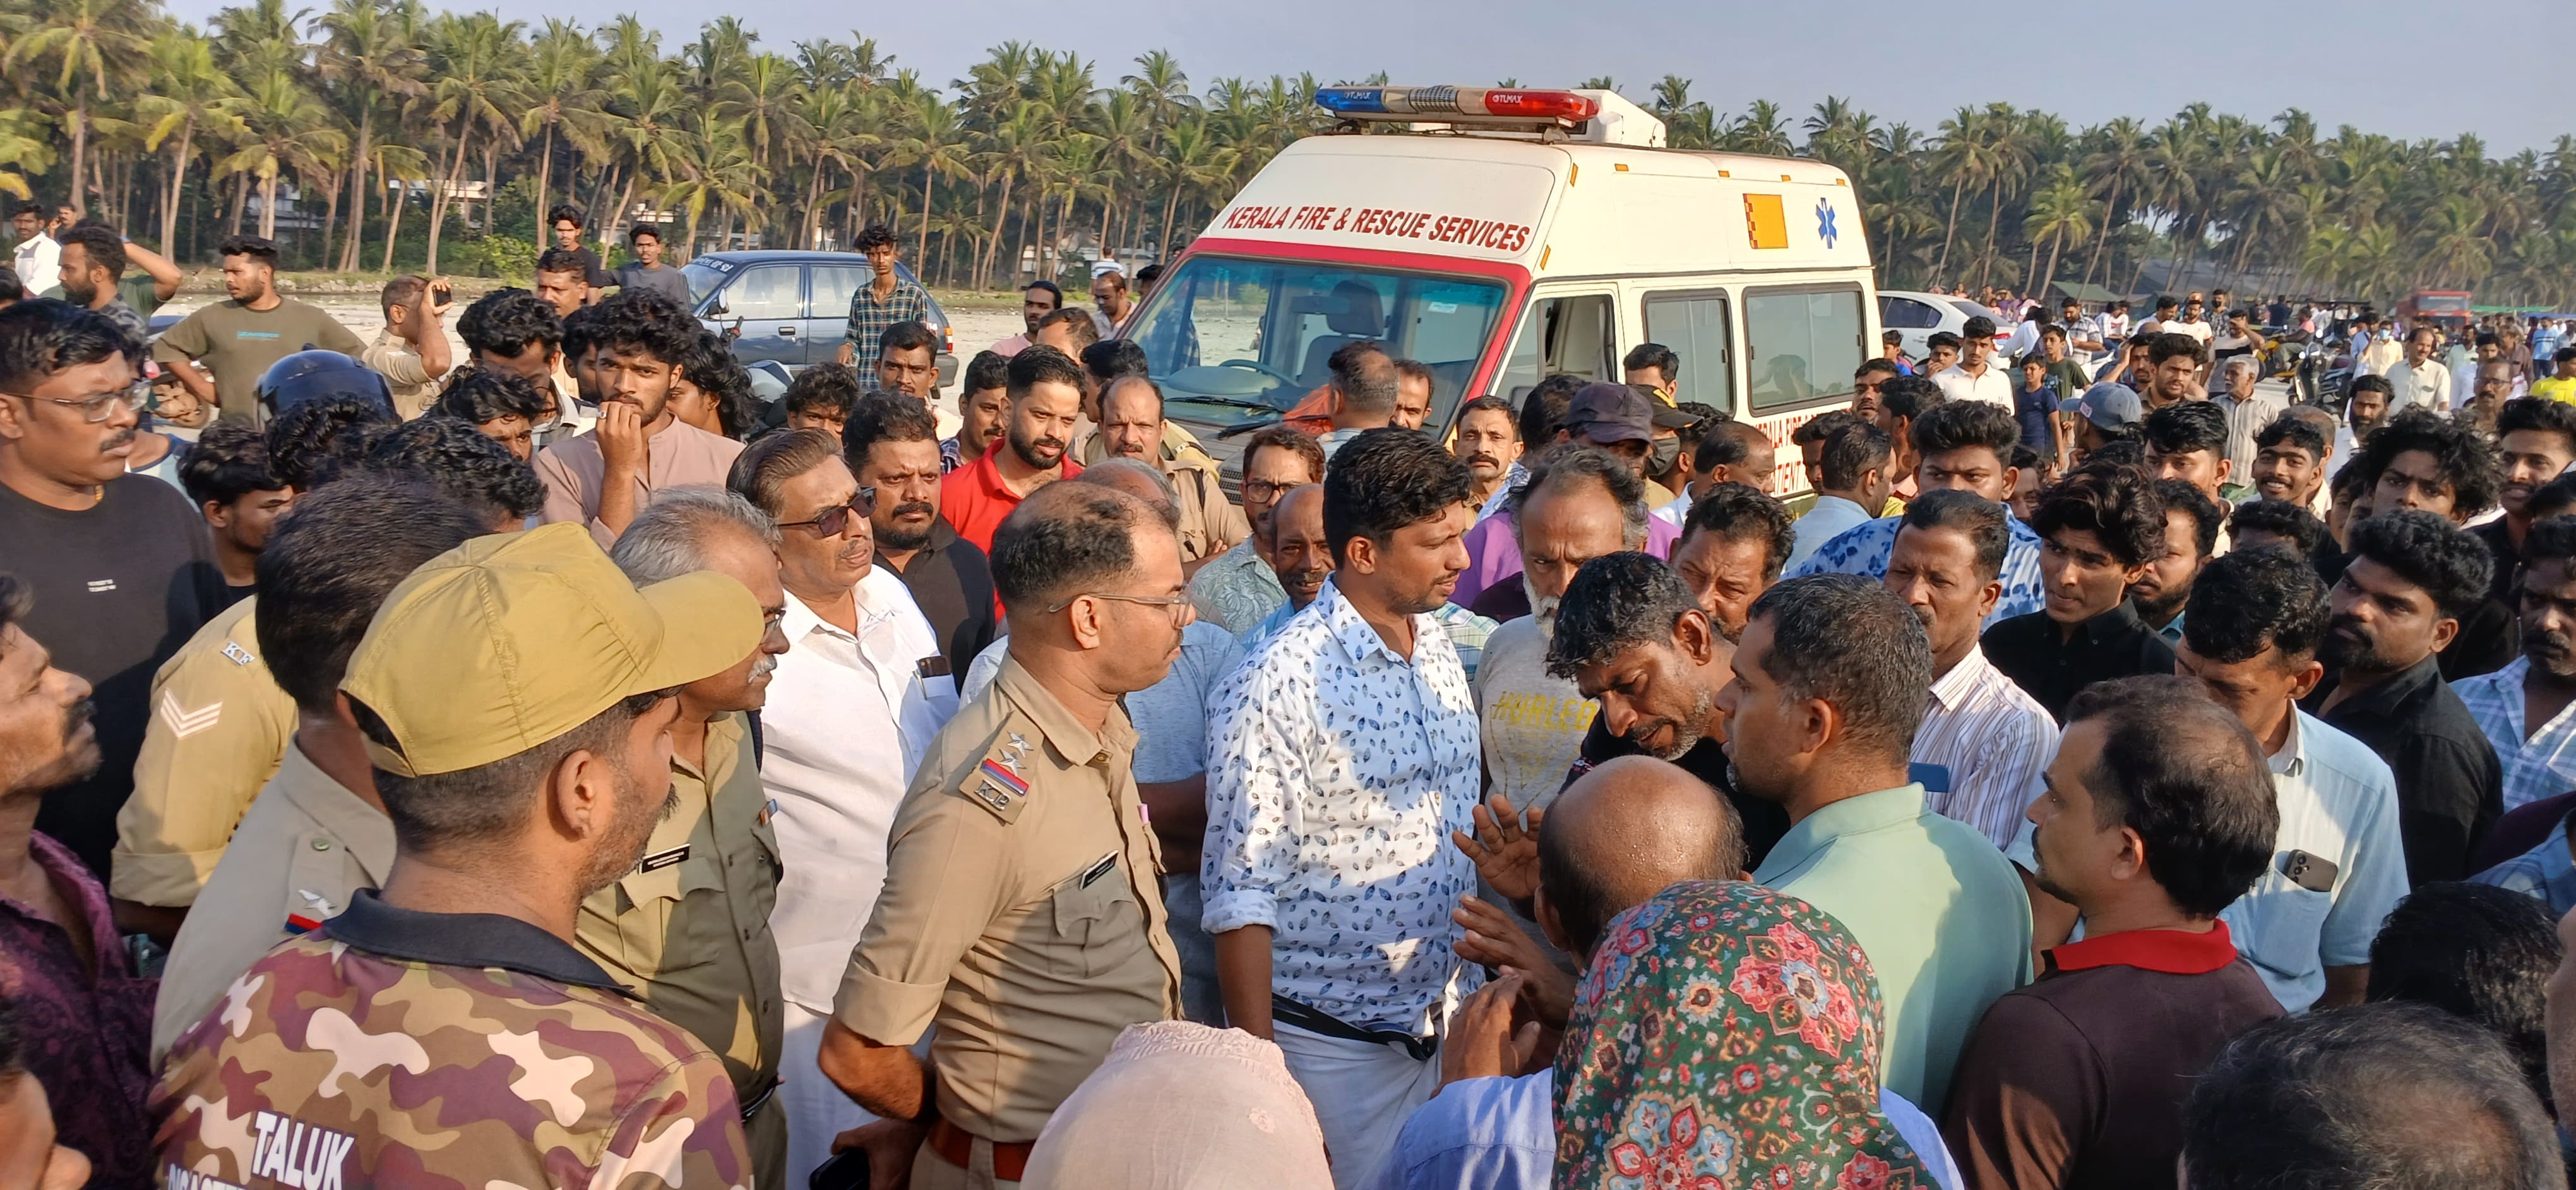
[
  {"x": 1258, "y": 334},
  {"x": 703, "y": 276}
]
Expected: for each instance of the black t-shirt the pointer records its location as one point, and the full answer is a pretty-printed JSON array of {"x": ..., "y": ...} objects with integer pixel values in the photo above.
[
  {"x": 1764, "y": 822},
  {"x": 599, "y": 277},
  {"x": 953, "y": 582},
  {"x": 119, "y": 587}
]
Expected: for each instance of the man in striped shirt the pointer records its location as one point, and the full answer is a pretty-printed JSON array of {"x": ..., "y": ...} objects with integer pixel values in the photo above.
[{"x": 1990, "y": 739}]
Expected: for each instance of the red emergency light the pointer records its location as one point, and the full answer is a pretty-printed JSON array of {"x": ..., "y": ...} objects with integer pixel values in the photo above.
[{"x": 1459, "y": 104}]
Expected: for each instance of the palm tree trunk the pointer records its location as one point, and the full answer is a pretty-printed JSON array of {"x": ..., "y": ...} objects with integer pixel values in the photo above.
[
  {"x": 2110, "y": 212},
  {"x": 2049, "y": 278},
  {"x": 268, "y": 206},
  {"x": 330, "y": 218},
  {"x": 545, "y": 175},
  {"x": 1941, "y": 271},
  {"x": 439, "y": 198},
  {"x": 2030, "y": 276},
  {"x": 921, "y": 248},
  {"x": 178, "y": 183},
  {"x": 1163, "y": 238},
  {"x": 358, "y": 189},
  {"x": 1001, "y": 219},
  {"x": 401, "y": 193},
  {"x": 1994, "y": 221},
  {"x": 810, "y": 236},
  {"x": 80, "y": 141}
]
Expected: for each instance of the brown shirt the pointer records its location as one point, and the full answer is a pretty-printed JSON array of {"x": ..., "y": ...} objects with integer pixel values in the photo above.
[
  {"x": 1021, "y": 913},
  {"x": 680, "y": 455},
  {"x": 2078, "y": 1079},
  {"x": 688, "y": 929}
]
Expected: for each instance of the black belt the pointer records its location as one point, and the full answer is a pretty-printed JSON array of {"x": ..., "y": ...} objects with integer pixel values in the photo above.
[
  {"x": 751, "y": 1107},
  {"x": 1316, "y": 1020}
]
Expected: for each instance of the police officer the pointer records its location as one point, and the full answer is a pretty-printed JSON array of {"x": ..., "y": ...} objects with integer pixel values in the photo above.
[
  {"x": 447, "y": 1031},
  {"x": 1021, "y": 915},
  {"x": 688, "y": 926},
  {"x": 316, "y": 832}
]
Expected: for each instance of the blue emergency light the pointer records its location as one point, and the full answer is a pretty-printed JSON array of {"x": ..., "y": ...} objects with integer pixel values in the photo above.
[{"x": 1506, "y": 103}]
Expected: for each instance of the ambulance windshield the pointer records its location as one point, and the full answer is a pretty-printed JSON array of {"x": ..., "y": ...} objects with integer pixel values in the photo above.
[{"x": 1257, "y": 334}]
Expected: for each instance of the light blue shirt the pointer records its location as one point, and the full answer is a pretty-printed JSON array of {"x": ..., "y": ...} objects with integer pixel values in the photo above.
[
  {"x": 1499, "y": 1134},
  {"x": 1940, "y": 913},
  {"x": 1467, "y": 632},
  {"x": 2545, "y": 873},
  {"x": 2540, "y": 765},
  {"x": 1830, "y": 517},
  {"x": 1863, "y": 549},
  {"x": 2338, "y": 802}
]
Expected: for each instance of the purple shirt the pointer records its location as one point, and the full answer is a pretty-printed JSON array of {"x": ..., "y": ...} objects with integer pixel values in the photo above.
[
  {"x": 1493, "y": 554},
  {"x": 87, "y": 1040}
]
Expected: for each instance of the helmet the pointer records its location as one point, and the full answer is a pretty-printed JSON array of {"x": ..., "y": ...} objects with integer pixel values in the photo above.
[{"x": 313, "y": 374}]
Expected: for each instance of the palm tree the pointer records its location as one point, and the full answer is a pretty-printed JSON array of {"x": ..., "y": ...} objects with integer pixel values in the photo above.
[
  {"x": 367, "y": 55},
  {"x": 287, "y": 128},
  {"x": 938, "y": 147},
  {"x": 94, "y": 44},
  {"x": 2059, "y": 209},
  {"x": 2116, "y": 165},
  {"x": 560, "y": 69},
  {"x": 189, "y": 95},
  {"x": 474, "y": 60}
]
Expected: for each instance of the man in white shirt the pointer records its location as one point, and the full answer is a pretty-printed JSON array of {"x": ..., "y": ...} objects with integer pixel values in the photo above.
[
  {"x": 2420, "y": 381},
  {"x": 2115, "y": 326},
  {"x": 1974, "y": 377},
  {"x": 1989, "y": 739},
  {"x": 1342, "y": 755},
  {"x": 2191, "y": 323},
  {"x": 2250, "y": 636},
  {"x": 858, "y": 696},
  {"x": 37, "y": 257},
  {"x": 1854, "y": 473}
]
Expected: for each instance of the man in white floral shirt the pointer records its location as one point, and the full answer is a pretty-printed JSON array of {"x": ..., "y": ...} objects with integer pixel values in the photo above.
[{"x": 1341, "y": 756}]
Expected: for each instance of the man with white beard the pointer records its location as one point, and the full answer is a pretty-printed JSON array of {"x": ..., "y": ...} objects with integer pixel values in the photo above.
[{"x": 1580, "y": 503}]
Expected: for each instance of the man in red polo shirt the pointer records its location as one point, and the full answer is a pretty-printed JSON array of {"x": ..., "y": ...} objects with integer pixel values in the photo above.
[
  {"x": 2157, "y": 813},
  {"x": 1046, "y": 402}
]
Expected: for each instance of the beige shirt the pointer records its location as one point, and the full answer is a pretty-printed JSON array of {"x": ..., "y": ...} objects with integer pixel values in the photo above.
[
  {"x": 1021, "y": 913},
  {"x": 394, "y": 359},
  {"x": 680, "y": 455},
  {"x": 307, "y": 845},
  {"x": 218, "y": 730},
  {"x": 1210, "y": 523},
  {"x": 689, "y": 926}
]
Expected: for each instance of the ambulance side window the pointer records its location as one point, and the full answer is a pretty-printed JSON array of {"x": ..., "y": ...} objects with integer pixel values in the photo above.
[
  {"x": 1695, "y": 327},
  {"x": 1802, "y": 343},
  {"x": 1562, "y": 334}
]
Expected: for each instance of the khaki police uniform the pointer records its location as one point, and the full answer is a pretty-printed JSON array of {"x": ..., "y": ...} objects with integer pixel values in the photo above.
[
  {"x": 1210, "y": 523},
  {"x": 1021, "y": 916},
  {"x": 218, "y": 731},
  {"x": 302, "y": 853},
  {"x": 688, "y": 928}
]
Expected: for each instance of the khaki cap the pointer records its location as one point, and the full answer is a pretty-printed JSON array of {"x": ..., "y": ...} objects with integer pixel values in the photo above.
[{"x": 506, "y": 642}]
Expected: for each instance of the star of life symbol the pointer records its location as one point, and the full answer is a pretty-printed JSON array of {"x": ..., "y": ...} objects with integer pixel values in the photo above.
[{"x": 1825, "y": 221}]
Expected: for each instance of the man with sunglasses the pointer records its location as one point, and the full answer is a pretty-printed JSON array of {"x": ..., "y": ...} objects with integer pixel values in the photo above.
[{"x": 122, "y": 568}]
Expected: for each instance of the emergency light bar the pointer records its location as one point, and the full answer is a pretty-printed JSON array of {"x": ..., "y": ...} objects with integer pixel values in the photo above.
[{"x": 1462, "y": 104}]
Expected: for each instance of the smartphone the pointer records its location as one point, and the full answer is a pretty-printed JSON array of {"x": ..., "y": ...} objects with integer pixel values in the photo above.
[
  {"x": 845, "y": 1171},
  {"x": 2314, "y": 873}
]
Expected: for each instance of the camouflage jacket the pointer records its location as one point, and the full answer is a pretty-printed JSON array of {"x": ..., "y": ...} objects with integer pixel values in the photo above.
[{"x": 433, "y": 1050}]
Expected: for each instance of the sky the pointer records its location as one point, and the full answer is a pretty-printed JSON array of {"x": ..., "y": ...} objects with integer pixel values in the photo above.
[{"x": 1901, "y": 61}]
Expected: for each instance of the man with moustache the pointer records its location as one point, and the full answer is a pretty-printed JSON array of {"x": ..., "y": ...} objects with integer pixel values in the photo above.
[
  {"x": 1733, "y": 545},
  {"x": 1299, "y": 555},
  {"x": 1988, "y": 738},
  {"x": 1238, "y": 589},
  {"x": 1631, "y": 635},
  {"x": 1046, "y": 404},
  {"x": 2535, "y": 443},
  {"x": 1132, "y": 427},
  {"x": 1488, "y": 441},
  {"x": 599, "y": 480},
  {"x": 121, "y": 569},
  {"x": 890, "y": 444},
  {"x": 2397, "y": 606},
  {"x": 2290, "y": 461},
  {"x": 2523, "y": 709}
]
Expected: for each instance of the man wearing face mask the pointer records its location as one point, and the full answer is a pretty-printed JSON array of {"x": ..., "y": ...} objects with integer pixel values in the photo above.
[{"x": 1631, "y": 635}]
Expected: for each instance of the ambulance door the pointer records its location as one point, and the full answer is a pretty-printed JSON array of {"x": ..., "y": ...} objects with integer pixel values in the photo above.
[
  {"x": 1573, "y": 329},
  {"x": 1698, "y": 324}
]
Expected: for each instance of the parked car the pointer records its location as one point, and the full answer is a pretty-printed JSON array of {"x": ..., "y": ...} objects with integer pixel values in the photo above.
[
  {"x": 1918, "y": 316},
  {"x": 791, "y": 308}
]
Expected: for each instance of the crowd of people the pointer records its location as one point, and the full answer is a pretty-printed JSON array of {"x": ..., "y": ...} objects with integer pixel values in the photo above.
[{"x": 542, "y": 763}]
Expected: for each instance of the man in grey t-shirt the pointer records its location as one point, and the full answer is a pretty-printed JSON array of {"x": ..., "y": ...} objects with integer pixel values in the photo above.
[
  {"x": 241, "y": 337},
  {"x": 647, "y": 271}
]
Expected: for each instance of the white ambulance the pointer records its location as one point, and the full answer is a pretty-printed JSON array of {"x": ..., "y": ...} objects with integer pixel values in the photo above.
[{"x": 1525, "y": 234}]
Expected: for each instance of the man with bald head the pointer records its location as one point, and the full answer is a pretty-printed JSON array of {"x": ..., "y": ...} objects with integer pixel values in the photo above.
[
  {"x": 1171, "y": 746},
  {"x": 1616, "y": 836}
]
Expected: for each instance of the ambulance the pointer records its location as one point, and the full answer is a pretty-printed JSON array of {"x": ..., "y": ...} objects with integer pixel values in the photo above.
[{"x": 1501, "y": 236}]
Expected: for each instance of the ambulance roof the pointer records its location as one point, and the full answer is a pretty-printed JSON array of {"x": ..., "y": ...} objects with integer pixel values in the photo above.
[{"x": 1565, "y": 209}]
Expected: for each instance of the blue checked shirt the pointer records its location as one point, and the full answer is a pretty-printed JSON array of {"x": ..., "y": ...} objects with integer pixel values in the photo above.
[
  {"x": 2542, "y": 765},
  {"x": 869, "y": 319},
  {"x": 2544, "y": 873},
  {"x": 1863, "y": 550}
]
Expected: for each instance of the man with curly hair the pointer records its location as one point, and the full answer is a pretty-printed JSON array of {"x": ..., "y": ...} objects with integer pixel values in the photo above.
[
  {"x": 2421, "y": 460},
  {"x": 639, "y": 447},
  {"x": 2099, "y": 530},
  {"x": 2413, "y": 576}
]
